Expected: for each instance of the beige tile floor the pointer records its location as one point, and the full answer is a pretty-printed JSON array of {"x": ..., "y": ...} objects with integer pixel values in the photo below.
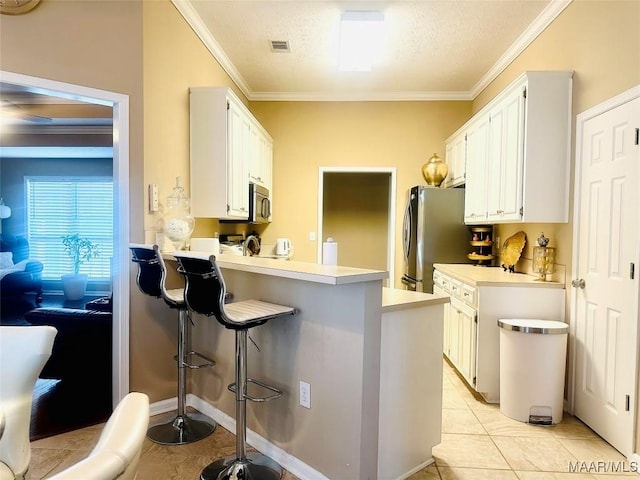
[{"x": 478, "y": 443}]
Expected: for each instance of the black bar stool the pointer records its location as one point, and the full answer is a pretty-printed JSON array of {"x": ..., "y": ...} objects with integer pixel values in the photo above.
[
  {"x": 151, "y": 278},
  {"x": 205, "y": 293}
]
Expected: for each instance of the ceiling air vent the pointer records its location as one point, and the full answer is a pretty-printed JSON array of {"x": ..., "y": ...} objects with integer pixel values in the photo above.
[{"x": 280, "y": 46}]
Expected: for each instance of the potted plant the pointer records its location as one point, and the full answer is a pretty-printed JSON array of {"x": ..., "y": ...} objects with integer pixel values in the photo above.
[{"x": 81, "y": 250}]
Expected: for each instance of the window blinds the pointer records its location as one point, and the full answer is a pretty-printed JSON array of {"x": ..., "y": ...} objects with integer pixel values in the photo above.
[{"x": 59, "y": 206}]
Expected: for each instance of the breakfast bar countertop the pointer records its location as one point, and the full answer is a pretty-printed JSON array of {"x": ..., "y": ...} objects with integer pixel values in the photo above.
[{"x": 306, "y": 271}]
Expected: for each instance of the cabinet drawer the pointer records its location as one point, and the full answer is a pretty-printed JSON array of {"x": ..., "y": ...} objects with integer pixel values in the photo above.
[
  {"x": 442, "y": 281},
  {"x": 456, "y": 288},
  {"x": 469, "y": 294}
]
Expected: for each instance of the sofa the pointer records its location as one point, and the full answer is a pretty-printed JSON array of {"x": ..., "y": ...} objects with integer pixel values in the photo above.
[
  {"x": 81, "y": 359},
  {"x": 19, "y": 274}
]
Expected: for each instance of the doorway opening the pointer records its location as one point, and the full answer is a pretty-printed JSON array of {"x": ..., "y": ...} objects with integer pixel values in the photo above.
[
  {"x": 120, "y": 262},
  {"x": 356, "y": 207}
]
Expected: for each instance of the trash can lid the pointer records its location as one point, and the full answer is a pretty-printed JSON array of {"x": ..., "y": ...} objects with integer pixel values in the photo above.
[{"x": 533, "y": 325}]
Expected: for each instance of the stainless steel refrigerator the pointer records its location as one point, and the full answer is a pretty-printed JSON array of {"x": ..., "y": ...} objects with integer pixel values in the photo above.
[{"x": 433, "y": 231}]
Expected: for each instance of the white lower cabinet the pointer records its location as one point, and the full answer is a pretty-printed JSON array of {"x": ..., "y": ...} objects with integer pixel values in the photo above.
[
  {"x": 466, "y": 320},
  {"x": 479, "y": 297}
]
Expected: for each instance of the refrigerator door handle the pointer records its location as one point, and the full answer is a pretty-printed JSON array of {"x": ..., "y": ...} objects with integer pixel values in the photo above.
[
  {"x": 406, "y": 230},
  {"x": 407, "y": 280}
]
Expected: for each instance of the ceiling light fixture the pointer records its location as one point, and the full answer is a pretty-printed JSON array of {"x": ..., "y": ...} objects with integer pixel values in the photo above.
[{"x": 361, "y": 39}]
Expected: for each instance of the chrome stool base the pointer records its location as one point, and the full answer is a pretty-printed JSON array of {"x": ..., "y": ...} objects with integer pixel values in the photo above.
[
  {"x": 255, "y": 466},
  {"x": 182, "y": 429}
]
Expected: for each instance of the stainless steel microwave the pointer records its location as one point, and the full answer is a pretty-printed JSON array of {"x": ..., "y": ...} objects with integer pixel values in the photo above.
[{"x": 259, "y": 204}]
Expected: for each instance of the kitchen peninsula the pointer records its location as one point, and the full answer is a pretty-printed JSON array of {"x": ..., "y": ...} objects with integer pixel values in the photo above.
[{"x": 371, "y": 355}]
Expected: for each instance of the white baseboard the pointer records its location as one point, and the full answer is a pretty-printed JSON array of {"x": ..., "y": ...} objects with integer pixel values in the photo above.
[
  {"x": 286, "y": 460},
  {"x": 163, "y": 406},
  {"x": 416, "y": 469}
]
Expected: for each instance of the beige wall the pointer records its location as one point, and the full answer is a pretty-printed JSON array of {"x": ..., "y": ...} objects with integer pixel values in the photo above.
[
  {"x": 356, "y": 215},
  {"x": 310, "y": 135}
]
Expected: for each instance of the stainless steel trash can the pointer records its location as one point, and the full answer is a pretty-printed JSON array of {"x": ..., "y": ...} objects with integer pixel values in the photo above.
[{"x": 532, "y": 367}]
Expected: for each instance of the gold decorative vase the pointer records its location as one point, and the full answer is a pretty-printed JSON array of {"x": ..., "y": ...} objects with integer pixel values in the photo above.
[{"x": 435, "y": 171}]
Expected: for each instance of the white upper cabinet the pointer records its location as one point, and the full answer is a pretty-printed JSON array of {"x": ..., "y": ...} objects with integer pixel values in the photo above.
[
  {"x": 261, "y": 160},
  {"x": 455, "y": 153},
  {"x": 475, "y": 200},
  {"x": 518, "y": 148},
  {"x": 229, "y": 148}
]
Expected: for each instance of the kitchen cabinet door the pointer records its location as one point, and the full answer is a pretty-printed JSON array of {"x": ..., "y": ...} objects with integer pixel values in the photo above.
[
  {"x": 467, "y": 337},
  {"x": 454, "y": 337},
  {"x": 455, "y": 153},
  {"x": 475, "y": 200},
  {"x": 446, "y": 336},
  {"x": 261, "y": 157},
  {"x": 239, "y": 132},
  {"x": 505, "y": 166}
]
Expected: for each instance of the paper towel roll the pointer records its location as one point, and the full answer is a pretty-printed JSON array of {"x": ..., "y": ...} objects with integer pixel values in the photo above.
[
  {"x": 329, "y": 252},
  {"x": 206, "y": 245}
]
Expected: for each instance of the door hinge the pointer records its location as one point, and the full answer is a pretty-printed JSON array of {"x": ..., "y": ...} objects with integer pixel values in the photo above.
[
  {"x": 228, "y": 105},
  {"x": 627, "y": 403},
  {"x": 228, "y": 208},
  {"x": 522, "y": 211},
  {"x": 637, "y": 136},
  {"x": 524, "y": 92},
  {"x": 474, "y": 381},
  {"x": 632, "y": 271}
]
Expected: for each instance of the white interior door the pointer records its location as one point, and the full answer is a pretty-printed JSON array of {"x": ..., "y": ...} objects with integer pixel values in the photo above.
[{"x": 605, "y": 285}]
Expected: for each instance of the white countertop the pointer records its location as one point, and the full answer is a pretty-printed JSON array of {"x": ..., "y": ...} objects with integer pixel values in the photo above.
[
  {"x": 305, "y": 271},
  {"x": 491, "y": 276},
  {"x": 394, "y": 299}
]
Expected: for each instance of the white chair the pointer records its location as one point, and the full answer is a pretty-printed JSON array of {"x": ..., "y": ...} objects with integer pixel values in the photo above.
[
  {"x": 23, "y": 352},
  {"x": 118, "y": 450}
]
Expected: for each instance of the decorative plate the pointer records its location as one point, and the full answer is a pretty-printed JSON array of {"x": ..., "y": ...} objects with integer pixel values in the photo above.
[{"x": 512, "y": 250}]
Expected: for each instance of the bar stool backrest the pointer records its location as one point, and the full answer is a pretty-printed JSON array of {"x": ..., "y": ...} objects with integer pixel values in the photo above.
[
  {"x": 153, "y": 274},
  {"x": 205, "y": 289},
  {"x": 149, "y": 276}
]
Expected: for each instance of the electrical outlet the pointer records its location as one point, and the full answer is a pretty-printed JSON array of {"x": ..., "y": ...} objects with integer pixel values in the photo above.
[
  {"x": 312, "y": 236},
  {"x": 305, "y": 394}
]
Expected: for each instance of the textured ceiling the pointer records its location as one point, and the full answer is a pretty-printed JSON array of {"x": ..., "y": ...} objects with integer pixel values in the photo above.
[{"x": 434, "y": 49}]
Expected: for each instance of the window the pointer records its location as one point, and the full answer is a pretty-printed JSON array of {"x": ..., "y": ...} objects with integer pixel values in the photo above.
[{"x": 58, "y": 206}]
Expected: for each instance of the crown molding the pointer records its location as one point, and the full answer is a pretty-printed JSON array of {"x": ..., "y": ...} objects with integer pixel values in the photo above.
[
  {"x": 359, "y": 96},
  {"x": 542, "y": 21},
  {"x": 195, "y": 22}
]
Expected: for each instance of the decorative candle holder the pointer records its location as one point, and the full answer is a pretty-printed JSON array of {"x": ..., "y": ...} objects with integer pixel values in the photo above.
[
  {"x": 544, "y": 259},
  {"x": 178, "y": 222}
]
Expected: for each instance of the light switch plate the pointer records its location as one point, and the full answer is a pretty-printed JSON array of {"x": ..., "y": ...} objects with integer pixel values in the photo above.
[{"x": 153, "y": 197}]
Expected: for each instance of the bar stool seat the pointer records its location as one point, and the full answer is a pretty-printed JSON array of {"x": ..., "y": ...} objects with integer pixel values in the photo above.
[
  {"x": 204, "y": 293},
  {"x": 151, "y": 279}
]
